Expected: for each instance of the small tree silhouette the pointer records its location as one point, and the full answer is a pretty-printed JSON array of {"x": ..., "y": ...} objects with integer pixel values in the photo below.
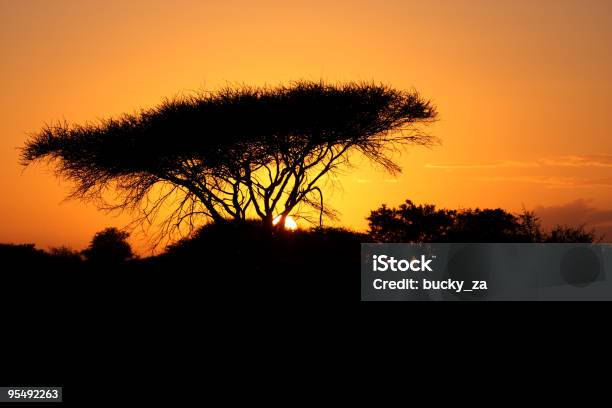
[
  {"x": 236, "y": 153},
  {"x": 109, "y": 246}
]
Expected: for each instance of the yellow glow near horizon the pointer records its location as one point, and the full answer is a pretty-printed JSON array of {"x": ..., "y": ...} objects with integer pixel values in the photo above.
[{"x": 290, "y": 223}]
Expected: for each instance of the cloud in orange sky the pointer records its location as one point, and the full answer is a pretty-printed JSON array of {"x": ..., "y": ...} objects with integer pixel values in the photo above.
[{"x": 590, "y": 160}]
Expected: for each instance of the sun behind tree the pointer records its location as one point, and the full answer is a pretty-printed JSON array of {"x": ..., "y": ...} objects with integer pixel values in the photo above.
[
  {"x": 290, "y": 223},
  {"x": 233, "y": 154}
]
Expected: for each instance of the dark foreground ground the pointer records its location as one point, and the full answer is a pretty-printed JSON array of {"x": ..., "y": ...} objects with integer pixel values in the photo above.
[
  {"x": 228, "y": 304},
  {"x": 222, "y": 266},
  {"x": 70, "y": 321}
]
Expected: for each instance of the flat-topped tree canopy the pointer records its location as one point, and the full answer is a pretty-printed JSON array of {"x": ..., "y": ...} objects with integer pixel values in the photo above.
[{"x": 239, "y": 148}]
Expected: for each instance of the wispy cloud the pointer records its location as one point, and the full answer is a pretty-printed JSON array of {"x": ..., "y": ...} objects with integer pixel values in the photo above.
[
  {"x": 493, "y": 165},
  {"x": 551, "y": 182},
  {"x": 593, "y": 160},
  {"x": 589, "y": 160},
  {"x": 577, "y": 212},
  {"x": 366, "y": 181}
]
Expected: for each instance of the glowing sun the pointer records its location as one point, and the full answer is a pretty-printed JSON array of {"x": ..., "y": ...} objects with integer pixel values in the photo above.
[{"x": 290, "y": 223}]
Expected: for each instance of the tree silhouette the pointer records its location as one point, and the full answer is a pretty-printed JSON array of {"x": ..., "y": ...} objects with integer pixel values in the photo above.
[
  {"x": 236, "y": 153},
  {"x": 109, "y": 246},
  {"x": 425, "y": 223}
]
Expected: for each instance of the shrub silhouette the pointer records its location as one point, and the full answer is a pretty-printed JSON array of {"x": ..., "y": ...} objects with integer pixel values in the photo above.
[
  {"x": 21, "y": 255},
  {"x": 109, "y": 246},
  {"x": 65, "y": 253},
  {"x": 26, "y": 257},
  {"x": 425, "y": 223},
  {"x": 564, "y": 233}
]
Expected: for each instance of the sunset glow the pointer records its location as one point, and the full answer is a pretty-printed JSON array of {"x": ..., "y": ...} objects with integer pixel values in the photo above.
[
  {"x": 290, "y": 223},
  {"x": 523, "y": 91}
]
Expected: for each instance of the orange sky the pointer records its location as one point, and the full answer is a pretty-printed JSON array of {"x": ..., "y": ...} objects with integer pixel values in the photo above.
[{"x": 523, "y": 88}]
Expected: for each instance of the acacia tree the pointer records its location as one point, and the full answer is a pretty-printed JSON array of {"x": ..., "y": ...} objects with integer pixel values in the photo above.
[{"x": 232, "y": 154}]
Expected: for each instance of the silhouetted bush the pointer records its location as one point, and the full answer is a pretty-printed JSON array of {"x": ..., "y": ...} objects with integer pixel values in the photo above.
[
  {"x": 63, "y": 257},
  {"x": 424, "y": 223},
  {"x": 15, "y": 256},
  {"x": 563, "y": 233},
  {"x": 21, "y": 258},
  {"x": 109, "y": 246},
  {"x": 64, "y": 252}
]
